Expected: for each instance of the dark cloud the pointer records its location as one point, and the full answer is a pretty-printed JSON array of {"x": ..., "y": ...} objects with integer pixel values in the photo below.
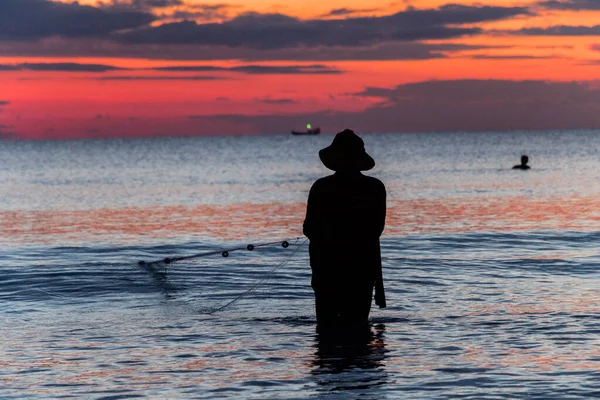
[
  {"x": 386, "y": 51},
  {"x": 58, "y": 67},
  {"x": 195, "y": 15},
  {"x": 142, "y": 5},
  {"x": 122, "y": 29},
  {"x": 343, "y": 12},
  {"x": 35, "y": 19},
  {"x": 9, "y": 67},
  {"x": 462, "y": 105},
  {"x": 189, "y": 68},
  {"x": 277, "y": 31},
  {"x": 275, "y": 101},
  {"x": 286, "y": 69},
  {"x": 561, "y": 30},
  {"x": 246, "y": 69},
  {"x": 158, "y": 3},
  {"x": 6, "y": 132},
  {"x": 509, "y": 57},
  {"x": 159, "y": 78},
  {"x": 203, "y": 12},
  {"x": 472, "y": 90},
  {"x": 4, "y": 103},
  {"x": 257, "y": 69},
  {"x": 571, "y": 5},
  {"x": 61, "y": 47}
]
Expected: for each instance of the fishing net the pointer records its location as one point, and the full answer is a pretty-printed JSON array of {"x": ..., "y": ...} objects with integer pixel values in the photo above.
[{"x": 219, "y": 279}]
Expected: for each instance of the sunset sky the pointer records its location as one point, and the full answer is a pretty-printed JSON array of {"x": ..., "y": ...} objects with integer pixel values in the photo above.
[{"x": 132, "y": 68}]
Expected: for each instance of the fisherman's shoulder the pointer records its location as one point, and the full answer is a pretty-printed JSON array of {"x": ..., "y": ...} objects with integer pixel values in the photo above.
[
  {"x": 323, "y": 182},
  {"x": 374, "y": 182}
]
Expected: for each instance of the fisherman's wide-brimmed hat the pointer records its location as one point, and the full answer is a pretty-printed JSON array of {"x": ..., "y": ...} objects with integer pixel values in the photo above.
[{"x": 346, "y": 152}]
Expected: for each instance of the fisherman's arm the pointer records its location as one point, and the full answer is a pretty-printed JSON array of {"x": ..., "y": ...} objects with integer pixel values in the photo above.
[
  {"x": 311, "y": 222},
  {"x": 381, "y": 210},
  {"x": 379, "y": 288},
  {"x": 377, "y": 210}
]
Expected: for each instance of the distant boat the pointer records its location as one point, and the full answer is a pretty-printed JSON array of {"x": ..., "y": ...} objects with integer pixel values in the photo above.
[{"x": 311, "y": 131}]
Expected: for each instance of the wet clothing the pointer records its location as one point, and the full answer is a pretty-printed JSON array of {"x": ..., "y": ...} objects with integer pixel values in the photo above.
[{"x": 345, "y": 217}]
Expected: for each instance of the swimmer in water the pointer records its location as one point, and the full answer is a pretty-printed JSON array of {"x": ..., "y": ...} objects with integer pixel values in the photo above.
[{"x": 523, "y": 165}]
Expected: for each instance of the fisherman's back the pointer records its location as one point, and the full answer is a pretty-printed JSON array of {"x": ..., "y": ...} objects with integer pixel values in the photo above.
[
  {"x": 345, "y": 207},
  {"x": 345, "y": 216}
]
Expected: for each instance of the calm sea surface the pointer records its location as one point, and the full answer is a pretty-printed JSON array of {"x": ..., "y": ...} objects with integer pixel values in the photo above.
[{"x": 492, "y": 275}]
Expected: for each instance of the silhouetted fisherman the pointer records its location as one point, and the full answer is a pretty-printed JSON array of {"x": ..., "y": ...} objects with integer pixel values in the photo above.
[
  {"x": 523, "y": 165},
  {"x": 345, "y": 217}
]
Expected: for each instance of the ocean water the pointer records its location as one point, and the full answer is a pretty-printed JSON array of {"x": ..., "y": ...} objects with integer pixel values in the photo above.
[{"x": 492, "y": 275}]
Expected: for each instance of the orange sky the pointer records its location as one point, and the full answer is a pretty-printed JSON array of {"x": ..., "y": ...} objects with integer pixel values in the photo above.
[{"x": 60, "y": 96}]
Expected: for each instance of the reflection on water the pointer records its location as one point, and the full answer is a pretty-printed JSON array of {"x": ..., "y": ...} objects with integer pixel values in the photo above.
[
  {"x": 148, "y": 191},
  {"x": 350, "y": 362},
  {"x": 241, "y": 221},
  {"x": 468, "y": 316},
  {"x": 492, "y": 275}
]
